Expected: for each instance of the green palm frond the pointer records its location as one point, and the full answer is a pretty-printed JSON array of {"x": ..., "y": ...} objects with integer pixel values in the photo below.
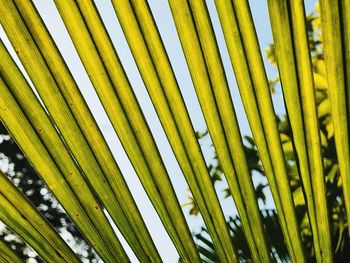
[{"x": 51, "y": 122}]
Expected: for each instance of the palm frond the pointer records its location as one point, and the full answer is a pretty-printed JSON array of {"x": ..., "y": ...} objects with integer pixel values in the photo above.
[{"x": 58, "y": 134}]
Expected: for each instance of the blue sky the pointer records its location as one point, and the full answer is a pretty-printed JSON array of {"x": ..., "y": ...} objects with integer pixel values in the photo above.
[{"x": 167, "y": 29}]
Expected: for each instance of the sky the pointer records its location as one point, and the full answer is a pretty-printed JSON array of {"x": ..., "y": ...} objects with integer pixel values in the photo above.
[{"x": 167, "y": 30}]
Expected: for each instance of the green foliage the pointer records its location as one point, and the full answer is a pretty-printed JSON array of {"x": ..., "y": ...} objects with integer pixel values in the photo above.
[{"x": 275, "y": 239}]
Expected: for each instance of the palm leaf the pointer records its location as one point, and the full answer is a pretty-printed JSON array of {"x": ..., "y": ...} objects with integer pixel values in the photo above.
[{"x": 61, "y": 139}]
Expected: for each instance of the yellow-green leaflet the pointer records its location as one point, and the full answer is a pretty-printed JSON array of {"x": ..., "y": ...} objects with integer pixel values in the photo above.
[
  {"x": 112, "y": 86},
  {"x": 101, "y": 169},
  {"x": 316, "y": 189},
  {"x": 345, "y": 25},
  {"x": 23, "y": 218},
  {"x": 338, "y": 88},
  {"x": 148, "y": 50}
]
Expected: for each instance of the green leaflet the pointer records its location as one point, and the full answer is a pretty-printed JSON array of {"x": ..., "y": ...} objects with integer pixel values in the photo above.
[
  {"x": 324, "y": 108},
  {"x": 112, "y": 86},
  {"x": 279, "y": 19},
  {"x": 319, "y": 218},
  {"x": 320, "y": 81},
  {"x": 345, "y": 25},
  {"x": 338, "y": 88}
]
